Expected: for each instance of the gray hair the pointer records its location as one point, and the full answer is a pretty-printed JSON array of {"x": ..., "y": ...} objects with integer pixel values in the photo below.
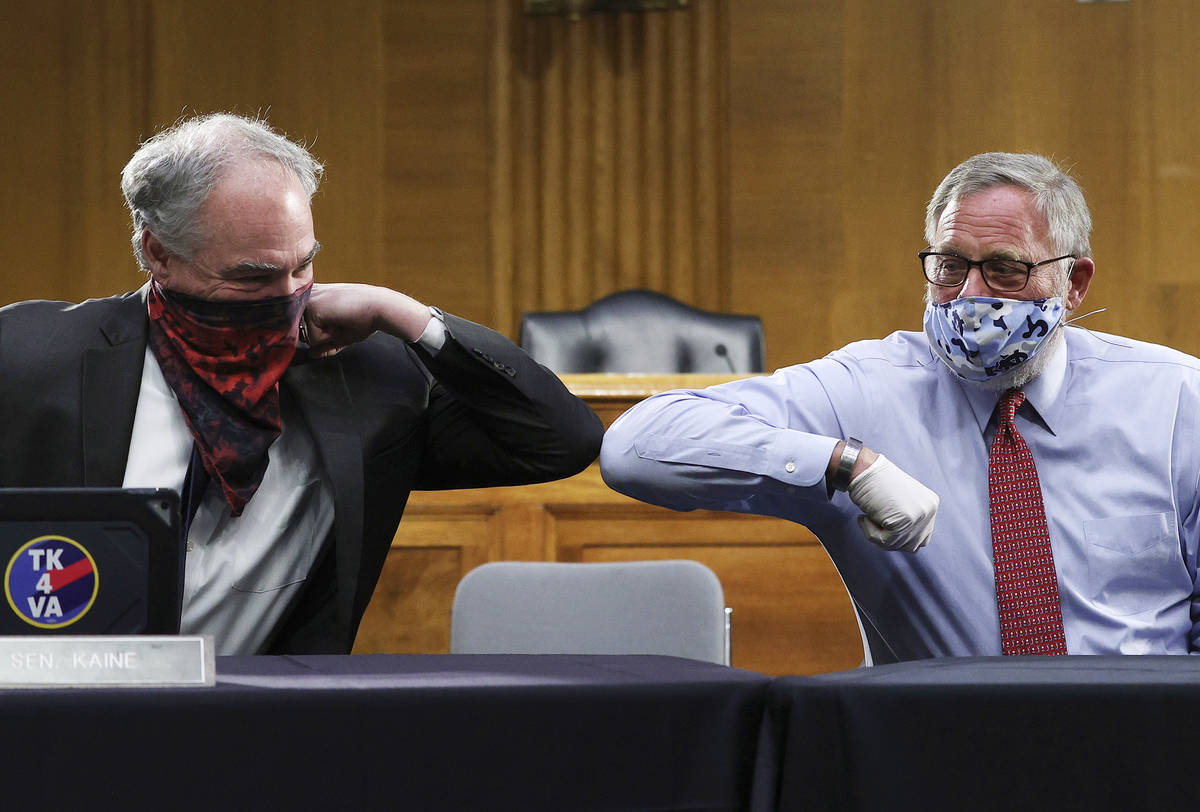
[
  {"x": 171, "y": 174},
  {"x": 1056, "y": 195}
]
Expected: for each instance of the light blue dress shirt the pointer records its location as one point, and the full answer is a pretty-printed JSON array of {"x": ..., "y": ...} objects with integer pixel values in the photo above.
[{"x": 1113, "y": 427}]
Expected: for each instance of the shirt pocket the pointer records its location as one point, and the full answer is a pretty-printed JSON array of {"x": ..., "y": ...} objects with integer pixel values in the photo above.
[
  {"x": 1134, "y": 563},
  {"x": 286, "y": 543}
]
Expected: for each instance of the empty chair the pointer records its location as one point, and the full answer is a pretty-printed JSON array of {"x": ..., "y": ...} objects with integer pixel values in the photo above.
[
  {"x": 645, "y": 332},
  {"x": 640, "y": 607}
]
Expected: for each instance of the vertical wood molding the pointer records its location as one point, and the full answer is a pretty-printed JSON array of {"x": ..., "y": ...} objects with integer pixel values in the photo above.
[
  {"x": 577, "y": 184},
  {"x": 655, "y": 150},
  {"x": 711, "y": 210},
  {"x": 601, "y": 209},
  {"x": 628, "y": 154},
  {"x": 501, "y": 256},
  {"x": 607, "y": 142}
]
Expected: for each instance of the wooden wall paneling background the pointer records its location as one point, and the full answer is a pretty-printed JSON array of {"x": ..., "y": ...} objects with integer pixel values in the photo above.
[
  {"x": 785, "y": 157},
  {"x": 436, "y": 154},
  {"x": 769, "y": 157},
  {"x": 73, "y": 92},
  {"x": 1165, "y": 178},
  {"x": 606, "y": 156},
  {"x": 86, "y": 82}
]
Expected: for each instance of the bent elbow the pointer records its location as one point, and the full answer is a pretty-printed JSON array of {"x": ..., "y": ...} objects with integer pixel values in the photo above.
[
  {"x": 585, "y": 445},
  {"x": 577, "y": 441},
  {"x": 618, "y": 466}
]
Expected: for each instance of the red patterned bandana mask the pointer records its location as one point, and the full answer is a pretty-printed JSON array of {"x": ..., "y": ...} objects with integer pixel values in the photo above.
[{"x": 223, "y": 360}]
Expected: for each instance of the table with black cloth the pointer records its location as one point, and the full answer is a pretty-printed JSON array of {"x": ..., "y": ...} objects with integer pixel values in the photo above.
[
  {"x": 989, "y": 733},
  {"x": 421, "y": 732}
]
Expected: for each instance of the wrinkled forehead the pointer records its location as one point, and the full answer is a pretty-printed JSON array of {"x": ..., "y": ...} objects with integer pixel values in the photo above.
[
  {"x": 997, "y": 218},
  {"x": 259, "y": 204}
]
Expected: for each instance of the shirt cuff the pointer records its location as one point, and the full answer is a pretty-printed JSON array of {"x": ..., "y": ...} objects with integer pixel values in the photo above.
[{"x": 434, "y": 335}]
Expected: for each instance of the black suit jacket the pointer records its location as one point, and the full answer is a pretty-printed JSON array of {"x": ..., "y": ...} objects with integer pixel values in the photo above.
[{"x": 386, "y": 416}]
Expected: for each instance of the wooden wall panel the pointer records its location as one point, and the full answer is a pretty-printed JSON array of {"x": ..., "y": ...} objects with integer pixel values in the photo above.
[
  {"x": 410, "y": 611},
  {"x": 1166, "y": 46},
  {"x": 885, "y": 177},
  {"x": 435, "y": 135},
  {"x": 434, "y": 549},
  {"x": 73, "y": 95},
  {"x": 607, "y": 140},
  {"x": 786, "y": 199}
]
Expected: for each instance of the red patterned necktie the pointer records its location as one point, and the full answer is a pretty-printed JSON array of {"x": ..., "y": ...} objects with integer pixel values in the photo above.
[{"x": 1026, "y": 583}]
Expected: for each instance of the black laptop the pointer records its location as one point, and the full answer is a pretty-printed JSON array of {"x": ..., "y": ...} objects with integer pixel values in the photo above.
[{"x": 83, "y": 561}]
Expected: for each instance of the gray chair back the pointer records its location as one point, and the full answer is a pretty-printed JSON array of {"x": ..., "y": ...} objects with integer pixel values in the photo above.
[{"x": 640, "y": 607}]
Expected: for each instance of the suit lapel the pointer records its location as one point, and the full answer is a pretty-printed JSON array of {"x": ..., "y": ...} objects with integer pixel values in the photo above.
[
  {"x": 319, "y": 388},
  {"x": 112, "y": 376}
]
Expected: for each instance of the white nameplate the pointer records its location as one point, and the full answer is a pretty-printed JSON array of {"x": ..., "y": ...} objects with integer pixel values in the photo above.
[{"x": 106, "y": 661}]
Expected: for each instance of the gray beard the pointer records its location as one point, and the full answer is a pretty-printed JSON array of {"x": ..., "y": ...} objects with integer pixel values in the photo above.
[{"x": 1017, "y": 378}]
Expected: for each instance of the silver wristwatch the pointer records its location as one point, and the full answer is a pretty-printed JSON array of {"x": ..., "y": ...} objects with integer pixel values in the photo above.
[{"x": 845, "y": 465}]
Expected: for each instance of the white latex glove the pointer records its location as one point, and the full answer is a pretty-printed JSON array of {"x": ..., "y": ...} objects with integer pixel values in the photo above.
[{"x": 898, "y": 511}]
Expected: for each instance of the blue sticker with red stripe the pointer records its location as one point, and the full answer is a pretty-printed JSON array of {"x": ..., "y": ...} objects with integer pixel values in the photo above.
[{"x": 51, "y": 582}]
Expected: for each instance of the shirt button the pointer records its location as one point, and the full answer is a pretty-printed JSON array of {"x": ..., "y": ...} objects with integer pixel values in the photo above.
[
  {"x": 790, "y": 467},
  {"x": 191, "y": 546}
]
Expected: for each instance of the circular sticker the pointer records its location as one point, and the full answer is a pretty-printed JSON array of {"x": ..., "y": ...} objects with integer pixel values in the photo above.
[{"x": 51, "y": 582}]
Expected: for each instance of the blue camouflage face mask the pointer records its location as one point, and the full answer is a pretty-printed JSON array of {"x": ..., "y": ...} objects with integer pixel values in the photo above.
[{"x": 980, "y": 337}]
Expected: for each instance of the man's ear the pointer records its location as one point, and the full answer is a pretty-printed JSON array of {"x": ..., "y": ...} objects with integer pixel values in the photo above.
[
  {"x": 157, "y": 257},
  {"x": 1081, "y": 279}
]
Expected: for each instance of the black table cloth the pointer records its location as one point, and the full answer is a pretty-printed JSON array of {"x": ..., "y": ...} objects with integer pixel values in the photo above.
[
  {"x": 1019, "y": 733},
  {"x": 494, "y": 732}
]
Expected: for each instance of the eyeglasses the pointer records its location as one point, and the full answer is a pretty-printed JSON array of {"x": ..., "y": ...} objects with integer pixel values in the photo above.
[{"x": 1007, "y": 275}]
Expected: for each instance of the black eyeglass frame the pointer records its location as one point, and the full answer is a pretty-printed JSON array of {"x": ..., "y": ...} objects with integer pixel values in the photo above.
[{"x": 971, "y": 263}]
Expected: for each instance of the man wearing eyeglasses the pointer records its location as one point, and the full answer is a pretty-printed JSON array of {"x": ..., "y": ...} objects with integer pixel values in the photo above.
[{"x": 1061, "y": 465}]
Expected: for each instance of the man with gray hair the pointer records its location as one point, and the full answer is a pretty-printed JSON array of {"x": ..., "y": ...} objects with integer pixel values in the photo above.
[
  {"x": 294, "y": 417},
  {"x": 1061, "y": 465}
]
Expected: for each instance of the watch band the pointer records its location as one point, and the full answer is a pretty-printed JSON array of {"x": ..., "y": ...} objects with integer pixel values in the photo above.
[{"x": 841, "y": 475}]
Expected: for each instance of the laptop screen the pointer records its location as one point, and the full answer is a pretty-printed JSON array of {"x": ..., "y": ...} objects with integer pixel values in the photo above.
[{"x": 90, "y": 561}]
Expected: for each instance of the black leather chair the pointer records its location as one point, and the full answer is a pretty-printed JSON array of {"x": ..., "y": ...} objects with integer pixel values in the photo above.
[{"x": 643, "y": 331}]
